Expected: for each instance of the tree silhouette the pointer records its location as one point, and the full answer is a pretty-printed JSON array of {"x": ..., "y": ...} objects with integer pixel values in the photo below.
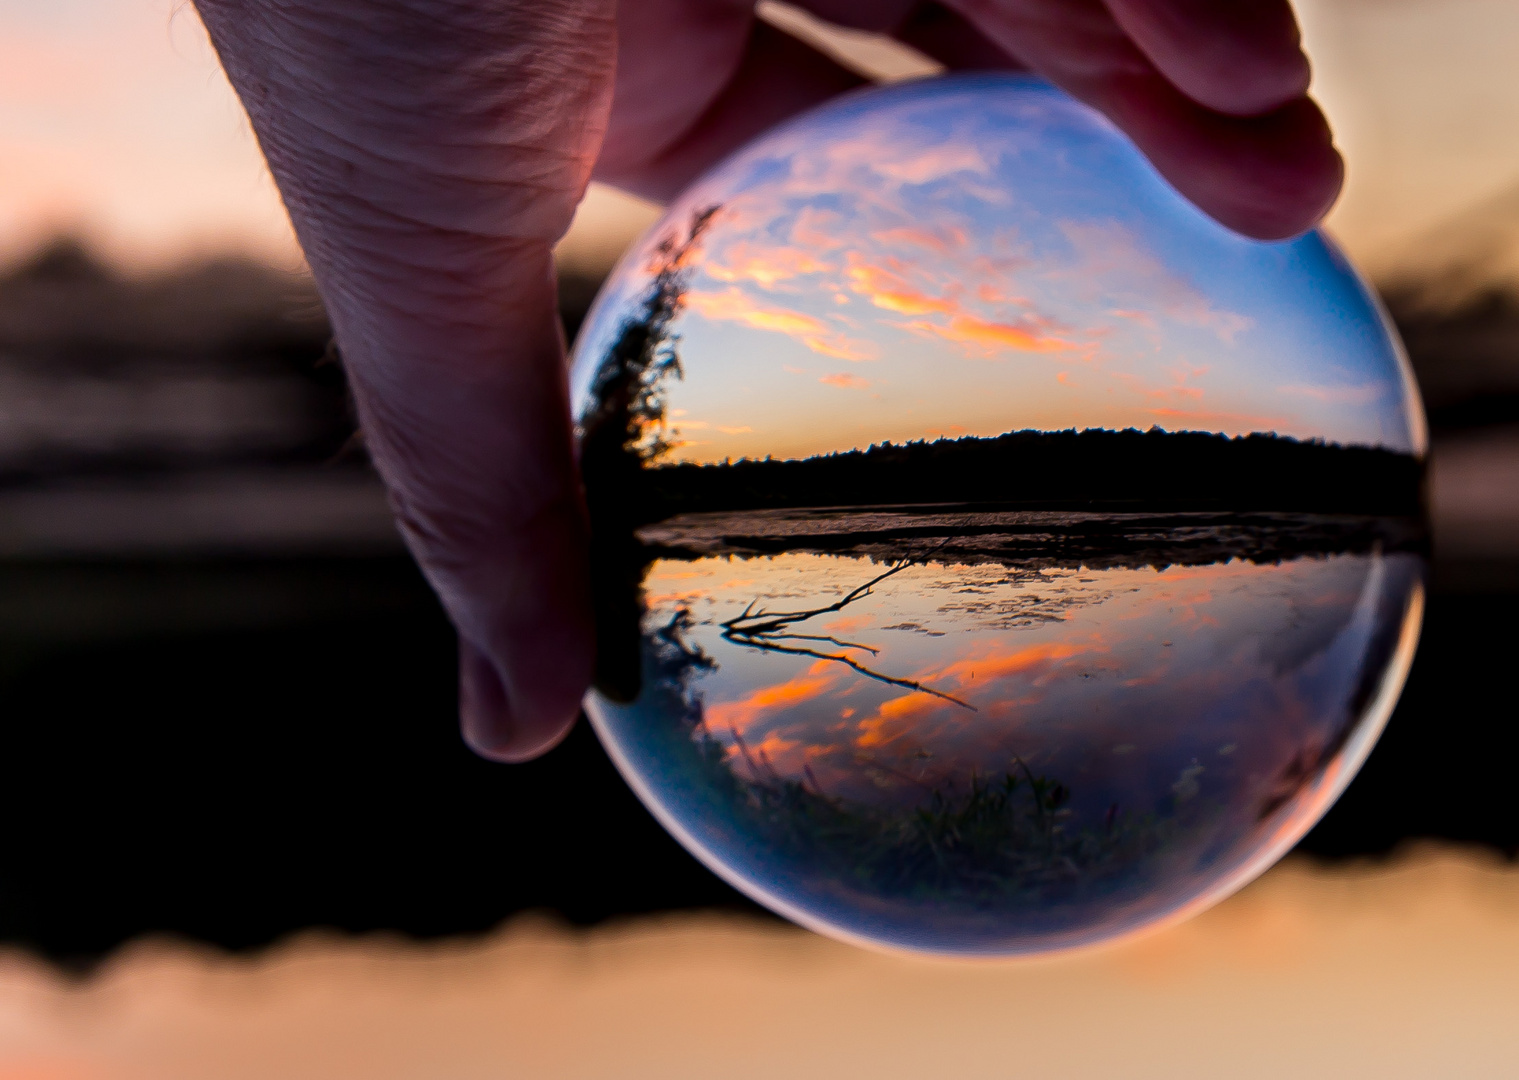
[
  {"x": 625, "y": 429},
  {"x": 622, "y": 433}
]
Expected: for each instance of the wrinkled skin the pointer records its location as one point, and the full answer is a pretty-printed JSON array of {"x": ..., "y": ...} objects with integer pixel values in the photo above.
[{"x": 432, "y": 151}]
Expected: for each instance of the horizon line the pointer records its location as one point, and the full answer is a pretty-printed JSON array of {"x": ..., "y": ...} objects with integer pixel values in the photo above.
[{"x": 1153, "y": 429}]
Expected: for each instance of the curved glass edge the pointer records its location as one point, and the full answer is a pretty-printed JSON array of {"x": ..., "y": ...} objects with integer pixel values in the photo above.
[{"x": 1329, "y": 787}]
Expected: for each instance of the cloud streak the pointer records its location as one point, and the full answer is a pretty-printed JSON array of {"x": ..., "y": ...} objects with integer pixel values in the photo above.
[
  {"x": 744, "y": 714},
  {"x": 988, "y": 337},
  {"x": 735, "y": 305}
]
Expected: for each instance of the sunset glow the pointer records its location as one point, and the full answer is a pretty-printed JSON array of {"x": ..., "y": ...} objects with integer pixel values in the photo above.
[{"x": 987, "y": 267}]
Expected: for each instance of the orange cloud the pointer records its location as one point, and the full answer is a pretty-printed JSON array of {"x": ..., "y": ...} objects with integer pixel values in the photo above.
[
  {"x": 968, "y": 672},
  {"x": 1241, "y": 421},
  {"x": 765, "y": 266},
  {"x": 987, "y": 335},
  {"x": 887, "y": 289},
  {"x": 844, "y": 381},
  {"x": 898, "y": 716},
  {"x": 890, "y": 291},
  {"x": 841, "y": 348},
  {"x": 902, "y": 715},
  {"x": 702, "y": 425},
  {"x": 848, "y": 623},
  {"x": 742, "y": 714},
  {"x": 778, "y": 752},
  {"x": 733, "y": 305}
]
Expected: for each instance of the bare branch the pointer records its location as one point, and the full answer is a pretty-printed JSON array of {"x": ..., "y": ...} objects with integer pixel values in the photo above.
[
  {"x": 910, "y": 684},
  {"x": 764, "y": 630}
]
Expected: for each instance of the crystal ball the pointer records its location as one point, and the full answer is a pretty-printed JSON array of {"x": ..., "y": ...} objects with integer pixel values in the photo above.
[{"x": 992, "y": 554}]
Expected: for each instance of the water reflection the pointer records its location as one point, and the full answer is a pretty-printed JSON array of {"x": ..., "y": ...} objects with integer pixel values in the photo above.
[{"x": 977, "y": 754}]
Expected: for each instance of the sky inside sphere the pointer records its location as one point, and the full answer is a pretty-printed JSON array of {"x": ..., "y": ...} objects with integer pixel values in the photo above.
[{"x": 976, "y": 255}]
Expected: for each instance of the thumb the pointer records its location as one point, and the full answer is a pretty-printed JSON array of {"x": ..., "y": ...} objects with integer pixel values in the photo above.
[{"x": 430, "y": 153}]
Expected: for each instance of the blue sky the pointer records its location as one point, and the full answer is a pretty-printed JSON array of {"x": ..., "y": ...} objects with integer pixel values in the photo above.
[{"x": 982, "y": 254}]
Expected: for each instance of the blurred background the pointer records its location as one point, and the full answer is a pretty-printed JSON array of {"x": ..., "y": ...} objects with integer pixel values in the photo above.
[{"x": 227, "y": 698}]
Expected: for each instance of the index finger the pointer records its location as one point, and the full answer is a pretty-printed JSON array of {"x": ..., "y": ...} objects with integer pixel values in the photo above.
[
  {"x": 1269, "y": 176},
  {"x": 1243, "y": 58}
]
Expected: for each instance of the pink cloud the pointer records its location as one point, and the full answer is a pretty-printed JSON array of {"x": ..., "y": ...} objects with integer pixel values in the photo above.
[
  {"x": 845, "y": 381},
  {"x": 940, "y": 241},
  {"x": 1143, "y": 318},
  {"x": 1110, "y": 258},
  {"x": 811, "y": 229},
  {"x": 930, "y": 164},
  {"x": 1180, "y": 387}
]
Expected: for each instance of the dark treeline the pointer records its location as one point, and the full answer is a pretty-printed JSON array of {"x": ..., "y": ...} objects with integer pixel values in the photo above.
[{"x": 1150, "y": 470}]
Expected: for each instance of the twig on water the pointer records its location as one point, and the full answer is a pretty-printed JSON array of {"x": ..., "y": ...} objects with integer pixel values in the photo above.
[{"x": 766, "y": 630}]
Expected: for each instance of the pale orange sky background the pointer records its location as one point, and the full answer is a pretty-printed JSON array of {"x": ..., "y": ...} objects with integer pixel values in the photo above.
[
  {"x": 115, "y": 122},
  {"x": 1395, "y": 971}
]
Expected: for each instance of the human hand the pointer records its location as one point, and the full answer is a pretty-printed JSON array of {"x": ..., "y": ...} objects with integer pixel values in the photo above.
[{"x": 431, "y": 152}]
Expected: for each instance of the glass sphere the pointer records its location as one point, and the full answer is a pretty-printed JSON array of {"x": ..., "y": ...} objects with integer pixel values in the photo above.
[{"x": 992, "y": 553}]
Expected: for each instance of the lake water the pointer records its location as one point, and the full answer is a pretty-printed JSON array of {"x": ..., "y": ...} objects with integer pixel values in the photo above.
[{"x": 977, "y": 743}]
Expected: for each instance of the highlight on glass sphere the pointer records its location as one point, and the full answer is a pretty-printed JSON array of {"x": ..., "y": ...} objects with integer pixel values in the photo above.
[{"x": 992, "y": 554}]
